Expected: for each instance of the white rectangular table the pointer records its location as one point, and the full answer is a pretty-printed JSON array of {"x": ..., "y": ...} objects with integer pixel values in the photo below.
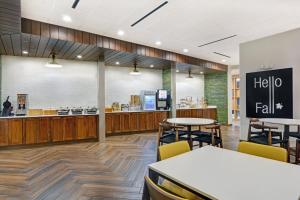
[{"x": 228, "y": 175}]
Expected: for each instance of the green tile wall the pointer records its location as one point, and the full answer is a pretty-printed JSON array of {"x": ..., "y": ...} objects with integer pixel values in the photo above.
[
  {"x": 166, "y": 76},
  {"x": 0, "y": 84},
  {"x": 215, "y": 91}
]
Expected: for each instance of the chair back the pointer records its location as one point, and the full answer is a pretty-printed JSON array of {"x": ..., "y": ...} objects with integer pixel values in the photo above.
[
  {"x": 157, "y": 193},
  {"x": 265, "y": 151},
  {"x": 173, "y": 149}
]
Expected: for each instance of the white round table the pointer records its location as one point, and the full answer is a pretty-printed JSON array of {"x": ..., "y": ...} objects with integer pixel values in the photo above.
[{"x": 189, "y": 122}]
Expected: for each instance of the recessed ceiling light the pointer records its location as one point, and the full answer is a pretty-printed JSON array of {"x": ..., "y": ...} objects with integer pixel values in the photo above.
[
  {"x": 185, "y": 50},
  {"x": 224, "y": 60},
  {"x": 79, "y": 56},
  {"x": 158, "y": 43},
  {"x": 117, "y": 63},
  {"x": 121, "y": 33},
  {"x": 151, "y": 66},
  {"x": 67, "y": 18},
  {"x": 25, "y": 52},
  {"x": 177, "y": 70}
]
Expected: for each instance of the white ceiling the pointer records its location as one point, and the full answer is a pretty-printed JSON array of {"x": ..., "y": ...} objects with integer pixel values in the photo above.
[{"x": 178, "y": 25}]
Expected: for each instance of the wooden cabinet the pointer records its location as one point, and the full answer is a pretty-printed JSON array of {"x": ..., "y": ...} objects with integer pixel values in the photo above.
[
  {"x": 86, "y": 127},
  {"x": 134, "y": 122},
  {"x": 15, "y": 131},
  {"x": 108, "y": 123},
  {"x": 37, "y": 130},
  {"x": 3, "y": 132},
  {"x": 45, "y": 130},
  {"x": 57, "y": 129},
  {"x": 93, "y": 126},
  {"x": 159, "y": 117},
  {"x": 150, "y": 117},
  {"x": 69, "y": 128},
  {"x": 125, "y": 122},
  {"x": 32, "y": 130},
  {"x": 210, "y": 113},
  {"x": 116, "y": 123},
  {"x": 143, "y": 121}
]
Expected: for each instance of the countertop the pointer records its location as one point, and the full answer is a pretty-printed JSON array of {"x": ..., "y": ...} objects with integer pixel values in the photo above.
[
  {"x": 137, "y": 111},
  {"x": 38, "y": 116}
]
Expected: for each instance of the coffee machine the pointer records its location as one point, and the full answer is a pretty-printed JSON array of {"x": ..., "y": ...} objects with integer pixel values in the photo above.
[
  {"x": 22, "y": 104},
  {"x": 163, "y": 99}
]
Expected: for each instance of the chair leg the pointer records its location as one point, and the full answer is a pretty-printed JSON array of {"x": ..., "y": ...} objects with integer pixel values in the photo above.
[
  {"x": 200, "y": 144},
  {"x": 297, "y": 151}
]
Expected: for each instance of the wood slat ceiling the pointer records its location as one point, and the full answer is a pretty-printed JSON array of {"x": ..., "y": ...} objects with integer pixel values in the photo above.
[
  {"x": 38, "y": 46},
  {"x": 55, "y": 33},
  {"x": 10, "y": 16},
  {"x": 42, "y": 47}
]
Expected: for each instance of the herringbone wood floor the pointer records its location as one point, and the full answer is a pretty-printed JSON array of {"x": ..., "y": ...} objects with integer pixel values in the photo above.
[{"x": 110, "y": 170}]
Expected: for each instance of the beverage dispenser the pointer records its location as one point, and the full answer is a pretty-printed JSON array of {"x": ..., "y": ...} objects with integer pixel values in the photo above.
[{"x": 162, "y": 100}]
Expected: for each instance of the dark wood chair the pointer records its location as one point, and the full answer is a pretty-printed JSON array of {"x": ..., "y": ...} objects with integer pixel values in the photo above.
[
  {"x": 260, "y": 132},
  {"x": 297, "y": 148},
  {"x": 169, "y": 133},
  {"x": 211, "y": 137},
  {"x": 263, "y": 134}
]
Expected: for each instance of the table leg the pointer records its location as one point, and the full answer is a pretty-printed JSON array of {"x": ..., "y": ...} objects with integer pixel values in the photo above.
[
  {"x": 154, "y": 177},
  {"x": 189, "y": 129}
]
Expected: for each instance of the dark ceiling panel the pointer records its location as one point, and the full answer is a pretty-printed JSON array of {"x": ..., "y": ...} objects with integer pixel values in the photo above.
[{"x": 16, "y": 43}]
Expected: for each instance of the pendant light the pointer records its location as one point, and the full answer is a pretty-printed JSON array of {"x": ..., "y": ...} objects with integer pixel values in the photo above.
[
  {"x": 53, "y": 63},
  {"x": 190, "y": 74},
  {"x": 135, "y": 72}
]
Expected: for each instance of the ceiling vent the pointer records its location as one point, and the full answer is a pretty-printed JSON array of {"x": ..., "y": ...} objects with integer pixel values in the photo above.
[{"x": 151, "y": 12}]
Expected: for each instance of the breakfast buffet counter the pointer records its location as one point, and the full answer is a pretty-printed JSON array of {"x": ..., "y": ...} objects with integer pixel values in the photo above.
[
  {"x": 133, "y": 121},
  {"x": 30, "y": 130},
  {"x": 210, "y": 112}
]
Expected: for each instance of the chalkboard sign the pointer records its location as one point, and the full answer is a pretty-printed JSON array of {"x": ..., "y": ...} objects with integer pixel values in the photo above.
[{"x": 269, "y": 94}]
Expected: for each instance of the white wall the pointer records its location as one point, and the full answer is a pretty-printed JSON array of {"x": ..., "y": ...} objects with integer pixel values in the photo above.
[
  {"x": 193, "y": 87},
  {"x": 119, "y": 84},
  {"x": 75, "y": 84},
  {"x": 278, "y": 51}
]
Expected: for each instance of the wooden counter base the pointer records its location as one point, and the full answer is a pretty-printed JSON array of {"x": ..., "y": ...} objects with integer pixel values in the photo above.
[
  {"x": 209, "y": 113},
  {"x": 133, "y": 122},
  {"x": 47, "y": 130}
]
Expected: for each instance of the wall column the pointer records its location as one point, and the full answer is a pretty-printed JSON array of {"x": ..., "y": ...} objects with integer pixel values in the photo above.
[
  {"x": 101, "y": 98},
  {"x": 173, "y": 88}
]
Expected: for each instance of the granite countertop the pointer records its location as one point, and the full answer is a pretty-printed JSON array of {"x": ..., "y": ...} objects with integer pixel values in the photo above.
[{"x": 38, "y": 116}]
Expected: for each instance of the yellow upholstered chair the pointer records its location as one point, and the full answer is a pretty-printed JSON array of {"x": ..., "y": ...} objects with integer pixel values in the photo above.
[
  {"x": 266, "y": 151},
  {"x": 171, "y": 150},
  {"x": 157, "y": 193}
]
